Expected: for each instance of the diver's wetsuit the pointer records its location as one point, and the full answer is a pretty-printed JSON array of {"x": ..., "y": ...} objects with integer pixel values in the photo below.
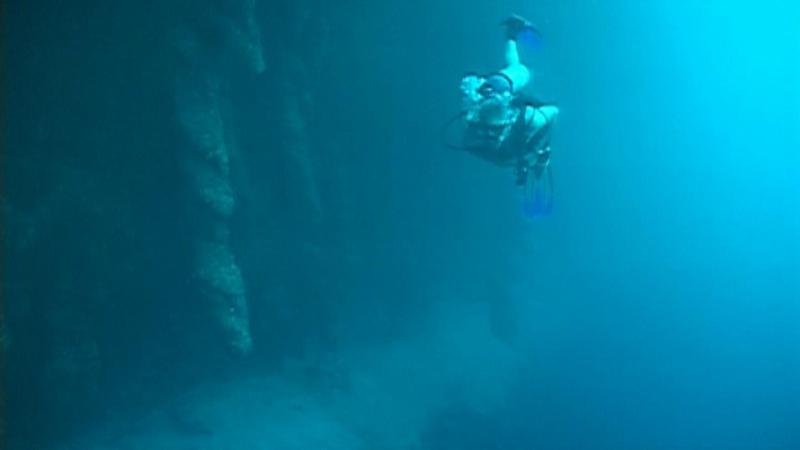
[
  {"x": 523, "y": 134},
  {"x": 501, "y": 126}
]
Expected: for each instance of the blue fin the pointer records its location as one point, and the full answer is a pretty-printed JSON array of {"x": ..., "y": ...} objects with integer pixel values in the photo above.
[
  {"x": 536, "y": 206},
  {"x": 538, "y": 201},
  {"x": 530, "y": 37}
]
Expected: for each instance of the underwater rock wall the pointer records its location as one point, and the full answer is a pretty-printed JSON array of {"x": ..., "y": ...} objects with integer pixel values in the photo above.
[
  {"x": 205, "y": 163},
  {"x": 120, "y": 144},
  {"x": 201, "y": 94},
  {"x": 3, "y": 222},
  {"x": 281, "y": 229},
  {"x": 90, "y": 217},
  {"x": 173, "y": 198},
  {"x": 3, "y": 345}
]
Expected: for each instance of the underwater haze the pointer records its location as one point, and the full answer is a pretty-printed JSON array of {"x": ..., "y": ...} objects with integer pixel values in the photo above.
[{"x": 233, "y": 224}]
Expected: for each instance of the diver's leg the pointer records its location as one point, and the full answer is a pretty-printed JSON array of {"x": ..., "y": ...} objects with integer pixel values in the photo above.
[{"x": 515, "y": 70}]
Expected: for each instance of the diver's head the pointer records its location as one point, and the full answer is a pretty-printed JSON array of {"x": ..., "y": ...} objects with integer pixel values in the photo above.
[
  {"x": 495, "y": 85},
  {"x": 496, "y": 95},
  {"x": 495, "y": 109}
]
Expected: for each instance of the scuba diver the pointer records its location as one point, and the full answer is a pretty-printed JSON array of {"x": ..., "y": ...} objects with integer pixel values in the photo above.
[{"x": 507, "y": 128}]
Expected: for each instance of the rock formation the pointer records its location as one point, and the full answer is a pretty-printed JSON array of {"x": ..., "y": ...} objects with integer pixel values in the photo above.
[{"x": 226, "y": 35}]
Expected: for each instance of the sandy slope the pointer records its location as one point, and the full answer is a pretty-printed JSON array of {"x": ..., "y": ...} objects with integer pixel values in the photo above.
[{"x": 379, "y": 396}]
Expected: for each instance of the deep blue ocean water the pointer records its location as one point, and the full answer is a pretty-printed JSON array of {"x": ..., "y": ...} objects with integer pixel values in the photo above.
[{"x": 397, "y": 296}]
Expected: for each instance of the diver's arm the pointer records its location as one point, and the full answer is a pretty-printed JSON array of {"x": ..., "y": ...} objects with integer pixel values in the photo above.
[
  {"x": 542, "y": 115},
  {"x": 470, "y": 96}
]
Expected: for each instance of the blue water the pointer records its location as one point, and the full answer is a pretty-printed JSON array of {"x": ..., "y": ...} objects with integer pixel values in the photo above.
[{"x": 398, "y": 295}]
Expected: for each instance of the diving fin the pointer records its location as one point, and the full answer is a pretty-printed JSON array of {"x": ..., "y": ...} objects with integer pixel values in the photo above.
[
  {"x": 522, "y": 30},
  {"x": 538, "y": 201}
]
